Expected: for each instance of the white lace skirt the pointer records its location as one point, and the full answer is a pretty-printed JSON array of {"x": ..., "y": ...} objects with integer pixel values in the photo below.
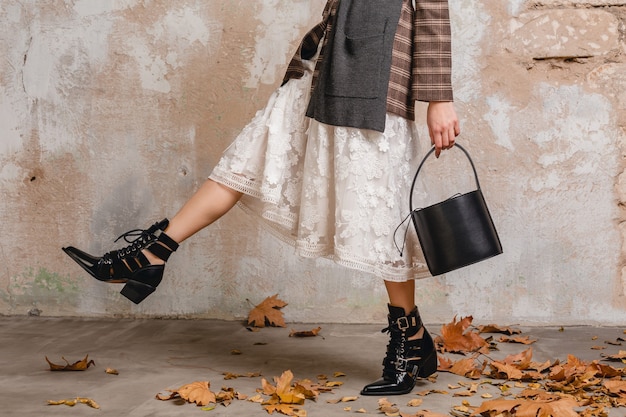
[{"x": 329, "y": 191}]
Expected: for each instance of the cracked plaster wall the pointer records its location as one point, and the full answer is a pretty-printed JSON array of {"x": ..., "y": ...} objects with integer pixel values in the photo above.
[{"x": 113, "y": 112}]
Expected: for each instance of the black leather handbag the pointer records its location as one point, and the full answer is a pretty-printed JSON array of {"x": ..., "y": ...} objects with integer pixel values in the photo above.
[{"x": 456, "y": 232}]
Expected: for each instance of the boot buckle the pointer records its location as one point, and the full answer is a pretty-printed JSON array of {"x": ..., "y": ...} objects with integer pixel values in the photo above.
[
  {"x": 404, "y": 365},
  {"x": 403, "y": 323}
]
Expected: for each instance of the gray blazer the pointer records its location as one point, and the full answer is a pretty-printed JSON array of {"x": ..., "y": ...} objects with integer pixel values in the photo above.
[{"x": 354, "y": 75}]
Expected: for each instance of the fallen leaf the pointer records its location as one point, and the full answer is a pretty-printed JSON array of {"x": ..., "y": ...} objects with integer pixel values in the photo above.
[
  {"x": 494, "y": 328},
  {"x": 286, "y": 409},
  {"x": 76, "y": 366},
  {"x": 416, "y": 402},
  {"x": 111, "y": 371},
  {"x": 525, "y": 340},
  {"x": 563, "y": 407},
  {"x": 197, "y": 392},
  {"x": 230, "y": 375},
  {"x": 455, "y": 337},
  {"x": 78, "y": 400},
  {"x": 389, "y": 409},
  {"x": 342, "y": 400},
  {"x": 305, "y": 333},
  {"x": 267, "y": 313}
]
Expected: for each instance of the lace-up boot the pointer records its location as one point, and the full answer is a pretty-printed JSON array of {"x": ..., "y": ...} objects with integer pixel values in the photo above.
[
  {"x": 129, "y": 265},
  {"x": 406, "y": 358}
]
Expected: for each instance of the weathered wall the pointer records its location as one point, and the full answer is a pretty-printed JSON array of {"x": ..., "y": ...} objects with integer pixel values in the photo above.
[{"x": 112, "y": 112}]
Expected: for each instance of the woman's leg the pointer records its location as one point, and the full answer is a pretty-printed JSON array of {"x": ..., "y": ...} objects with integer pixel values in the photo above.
[
  {"x": 140, "y": 265},
  {"x": 209, "y": 203},
  {"x": 401, "y": 294}
]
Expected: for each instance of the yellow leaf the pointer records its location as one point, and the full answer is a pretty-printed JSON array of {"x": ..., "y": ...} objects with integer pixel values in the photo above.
[
  {"x": 415, "y": 402},
  {"x": 197, "y": 392},
  {"x": 72, "y": 402},
  {"x": 111, "y": 371},
  {"x": 267, "y": 312},
  {"x": 256, "y": 399},
  {"x": 76, "y": 366},
  {"x": 333, "y": 384}
]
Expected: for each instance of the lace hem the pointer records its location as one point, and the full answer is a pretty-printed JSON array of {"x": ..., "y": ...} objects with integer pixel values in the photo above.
[{"x": 338, "y": 255}]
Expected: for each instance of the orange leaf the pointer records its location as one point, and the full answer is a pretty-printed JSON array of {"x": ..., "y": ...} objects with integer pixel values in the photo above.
[
  {"x": 76, "y": 366},
  {"x": 286, "y": 409},
  {"x": 197, "y": 392},
  {"x": 525, "y": 340},
  {"x": 267, "y": 313},
  {"x": 563, "y": 407},
  {"x": 616, "y": 387},
  {"x": 305, "y": 333},
  {"x": 494, "y": 328},
  {"x": 455, "y": 339}
]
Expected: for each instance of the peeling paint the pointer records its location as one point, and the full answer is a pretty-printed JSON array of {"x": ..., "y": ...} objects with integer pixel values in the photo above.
[{"x": 113, "y": 112}]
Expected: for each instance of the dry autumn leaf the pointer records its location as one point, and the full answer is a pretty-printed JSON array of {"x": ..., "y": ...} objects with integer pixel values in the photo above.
[
  {"x": 230, "y": 375},
  {"x": 525, "y": 340},
  {"x": 463, "y": 367},
  {"x": 388, "y": 408},
  {"x": 424, "y": 413},
  {"x": 197, "y": 392},
  {"x": 73, "y": 401},
  {"x": 562, "y": 407},
  {"x": 455, "y": 338},
  {"x": 111, "y": 371},
  {"x": 305, "y": 333},
  {"x": 76, "y": 366},
  {"x": 267, "y": 313},
  {"x": 494, "y": 328}
]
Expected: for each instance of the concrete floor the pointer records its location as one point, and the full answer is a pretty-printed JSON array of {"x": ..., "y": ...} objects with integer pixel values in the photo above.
[{"x": 153, "y": 355}]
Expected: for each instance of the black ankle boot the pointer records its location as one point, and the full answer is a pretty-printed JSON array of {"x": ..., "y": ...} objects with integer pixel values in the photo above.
[
  {"x": 129, "y": 265},
  {"x": 406, "y": 360}
]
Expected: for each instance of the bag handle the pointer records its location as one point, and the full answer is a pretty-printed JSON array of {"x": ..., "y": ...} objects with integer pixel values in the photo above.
[{"x": 424, "y": 160}]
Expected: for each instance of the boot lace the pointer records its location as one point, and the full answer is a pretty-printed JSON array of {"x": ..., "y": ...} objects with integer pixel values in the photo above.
[{"x": 142, "y": 238}]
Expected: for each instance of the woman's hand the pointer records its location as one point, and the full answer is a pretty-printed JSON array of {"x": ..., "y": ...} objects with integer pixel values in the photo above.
[{"x": 443, "y": 125}]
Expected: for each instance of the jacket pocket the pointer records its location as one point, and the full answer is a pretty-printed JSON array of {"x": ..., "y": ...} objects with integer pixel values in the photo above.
[{"x": 355, "y": 69}]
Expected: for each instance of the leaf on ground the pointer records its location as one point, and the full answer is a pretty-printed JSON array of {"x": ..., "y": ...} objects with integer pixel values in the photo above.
[
  {"x": 231, "y": 375},
  {"x": 197, "y": 392},
  {"x": 619, "y": 357},
  {"x": 424, "y": 413},
  {"x": 494, "y": 328},
  {"x": 455, "y": 338},
  {"x": 283, "y": 392},
  {"x": 76, "y": 366},
  {"x": 111, "y": 371},
  {"x": 268, "y": 313},
  {"x": 388, "y": 408},
  {"x": 616, "y": 387},
  {"x": 524, "y": 340},
  {"x": 342, "y": 400},
  {"x": 562, "y": 407},
  {"x": 416, "y": 402},
  {"x": 73, "y": 401},
  {"x": 463, "y": 367},
  {"x": 286, "y": 409},
  {"x": 305, "y": 333}
]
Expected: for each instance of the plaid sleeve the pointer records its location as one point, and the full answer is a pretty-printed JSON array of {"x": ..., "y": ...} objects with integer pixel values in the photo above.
[
  {"x": 308, "y": 46},
  {"x": 432, "y": 54}
]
